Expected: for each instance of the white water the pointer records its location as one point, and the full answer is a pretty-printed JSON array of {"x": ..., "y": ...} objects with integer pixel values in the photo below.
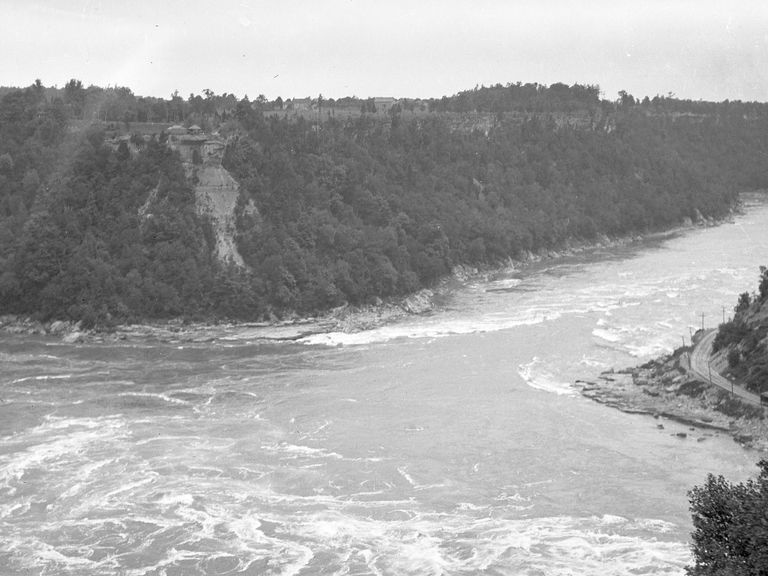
[{"x": 446, "y": 444}]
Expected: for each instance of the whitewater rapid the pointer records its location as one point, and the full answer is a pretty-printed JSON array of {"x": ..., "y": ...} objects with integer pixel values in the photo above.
[{"x": 448, "y": 443}]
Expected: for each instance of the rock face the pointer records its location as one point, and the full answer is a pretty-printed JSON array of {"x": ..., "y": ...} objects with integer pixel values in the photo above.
[
  {"x": 664, "y": 388},
  {"x": 216, "y": 195},
  {"x": 216, "y": 191}
]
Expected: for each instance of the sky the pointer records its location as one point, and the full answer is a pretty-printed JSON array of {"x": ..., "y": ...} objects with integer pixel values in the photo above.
[{"x": 697, "y": 49}]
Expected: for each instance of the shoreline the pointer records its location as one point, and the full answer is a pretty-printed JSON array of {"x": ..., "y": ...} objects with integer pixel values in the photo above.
[
  {"x": 346, "y": 318},
  {"x": 663, "y": 388}
]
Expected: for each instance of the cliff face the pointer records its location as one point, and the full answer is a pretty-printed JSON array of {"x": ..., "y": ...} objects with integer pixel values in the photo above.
[
  {"x": 216, "y": 195},
  {"x": 216, "y": 192}
]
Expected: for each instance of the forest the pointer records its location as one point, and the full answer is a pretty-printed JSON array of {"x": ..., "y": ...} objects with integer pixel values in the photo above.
[{"x": 347, "y": 211}]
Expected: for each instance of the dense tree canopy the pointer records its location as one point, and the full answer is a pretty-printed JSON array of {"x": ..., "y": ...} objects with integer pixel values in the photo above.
[
  {"x": 371, "y": 206},
  {"x": 730, "y": 536},
  {"x": 744, "y": 337}
]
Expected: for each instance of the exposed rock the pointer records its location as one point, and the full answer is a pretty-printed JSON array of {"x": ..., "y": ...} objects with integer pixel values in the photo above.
[
  {"x": 419, "y": 303},
  {"x": 74, "y": 337},
  {"x": 660, "y": 389},
  {"x": 743, "y": 438},
  {"x": 58, "y": 327},
  {"x": 216, "y": 196},
  {"x": 216, "y": 191}
]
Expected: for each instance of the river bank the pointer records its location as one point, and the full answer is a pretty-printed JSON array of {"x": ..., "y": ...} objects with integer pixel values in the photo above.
[
  {"x": 664, "y": 389},
  {"x": 347, "y": 318},
  {"x": 344, "y": 318}
]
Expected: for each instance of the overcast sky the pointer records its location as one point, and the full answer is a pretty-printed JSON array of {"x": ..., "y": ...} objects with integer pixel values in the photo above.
[{"x": 699, "y": 49}]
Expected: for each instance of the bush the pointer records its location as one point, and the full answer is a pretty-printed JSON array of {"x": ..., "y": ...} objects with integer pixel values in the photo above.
[
  {"x": 730, "y": 535},
  {"x": 734, "y": 407},
  {"x": 729, "y": 333},
  {"x": 734, "y": 357}
]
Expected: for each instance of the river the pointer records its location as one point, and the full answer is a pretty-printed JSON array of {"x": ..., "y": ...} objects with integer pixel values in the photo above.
[{"x": 452, "y": 443}]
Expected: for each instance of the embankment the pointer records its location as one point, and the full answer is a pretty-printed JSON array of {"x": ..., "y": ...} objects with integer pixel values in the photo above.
[{"x": 664, "y": 389}]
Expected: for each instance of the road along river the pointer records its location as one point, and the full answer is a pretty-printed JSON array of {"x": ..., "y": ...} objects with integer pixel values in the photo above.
[{"x": 445, "y": 444}]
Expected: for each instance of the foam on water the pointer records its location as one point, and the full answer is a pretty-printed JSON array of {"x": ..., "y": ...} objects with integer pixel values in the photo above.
[
  {"x": 154, "y": 396},
  {"x": 534, "y": 305},
  {"x": 50, "y": 445},
  {"x": 537, "y": 375},
  {"x": 607, "y": 335},
  {"x": 293, "y": 451},
  {"x": 432, "y": 329},
  {"x": 295, "y": 460},
  {"x": 42, "y": 378},
  {"x": 461, "y": 543}
]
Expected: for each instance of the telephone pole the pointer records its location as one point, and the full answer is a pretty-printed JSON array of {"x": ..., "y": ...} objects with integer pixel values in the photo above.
[{"x": 702, "y": 320}]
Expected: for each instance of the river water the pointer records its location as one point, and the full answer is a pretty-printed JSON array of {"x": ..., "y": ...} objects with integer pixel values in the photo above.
[{"x": 444, "y": 444}]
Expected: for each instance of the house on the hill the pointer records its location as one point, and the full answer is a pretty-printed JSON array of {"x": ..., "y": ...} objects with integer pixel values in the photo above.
[
  {"x": 384, "y": 103},
  {"x": 193, "y": 145},
  {"x": 299, "y": 104},
  {"x": 177, "y": 130}
]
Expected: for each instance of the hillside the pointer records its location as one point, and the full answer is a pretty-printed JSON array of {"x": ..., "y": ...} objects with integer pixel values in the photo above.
[
  {"x": 105, "y": 217},
  {"x": 740, "y": 344}
]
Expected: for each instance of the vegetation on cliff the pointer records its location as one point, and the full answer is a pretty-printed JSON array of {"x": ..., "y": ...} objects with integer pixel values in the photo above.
[
  {"x": 744, "y": 338},
  {"x": 345, "y": 211}
]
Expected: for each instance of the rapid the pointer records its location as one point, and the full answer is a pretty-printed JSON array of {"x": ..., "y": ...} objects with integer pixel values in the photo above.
[{"x": 451, "y": 443}]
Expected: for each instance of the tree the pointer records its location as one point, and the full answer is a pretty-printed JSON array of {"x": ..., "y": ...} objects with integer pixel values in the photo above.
[
  {"x": 6, "y": 163},
  {"x": 763, "y": 283},
  {"x": 74, "y": 97},
  {"x": 734, "y": 357},
  {"x": 730, "y": 524},
  {"x": 744, "y": 302},
  {"x": 626, "y": 99}
]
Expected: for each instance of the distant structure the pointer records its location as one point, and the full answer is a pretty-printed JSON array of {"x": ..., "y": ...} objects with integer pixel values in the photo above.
[
  {"x": 194, "y": 146},
  {"x": 299, "y": 104},
  {"x": 384, "y": 103},
  {"x": 177, "y": 130}
]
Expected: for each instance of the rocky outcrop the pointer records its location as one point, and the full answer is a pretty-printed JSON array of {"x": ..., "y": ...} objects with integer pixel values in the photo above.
[
  {"x": 216, "y": 197},
  {"x": 663, "y": 389},
  {"x": 69, "y": 332},
  {"x": 216, "y": 192}
]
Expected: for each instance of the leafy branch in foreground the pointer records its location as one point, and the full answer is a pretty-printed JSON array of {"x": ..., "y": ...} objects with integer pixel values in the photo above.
[{"x": 730, "y": 524}]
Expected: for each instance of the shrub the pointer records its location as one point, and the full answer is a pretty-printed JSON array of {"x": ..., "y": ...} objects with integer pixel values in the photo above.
[
  {"x": 730, "y": 535},
  {"x": 734, "y": 357}
]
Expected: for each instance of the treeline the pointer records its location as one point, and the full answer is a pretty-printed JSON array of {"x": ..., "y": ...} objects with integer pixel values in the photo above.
[
  {"x": 558, "y": 97},
  {"x": 744, "y": 338},
  {"x": 347, "y": 211},
  {"x": 519, "y": 97}
]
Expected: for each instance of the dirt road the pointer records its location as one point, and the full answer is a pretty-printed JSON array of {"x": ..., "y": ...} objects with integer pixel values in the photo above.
[{"x": 700, "y": 367}]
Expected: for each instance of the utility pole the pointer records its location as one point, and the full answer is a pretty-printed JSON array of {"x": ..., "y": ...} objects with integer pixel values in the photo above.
[
  {"x": 723, "y": 314},
  {"x": 683, "y": 337},
  {"x": 702, "y": 320}
]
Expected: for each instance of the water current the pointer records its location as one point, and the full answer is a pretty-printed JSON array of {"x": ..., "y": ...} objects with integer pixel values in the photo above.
[{"x": 452, "y": 443}]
